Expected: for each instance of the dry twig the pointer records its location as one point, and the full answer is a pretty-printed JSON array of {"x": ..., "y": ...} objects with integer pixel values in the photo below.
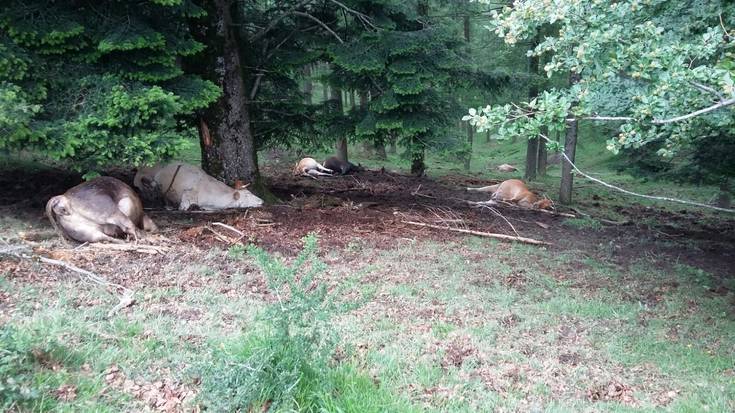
[{"x": 481, "y": 234}]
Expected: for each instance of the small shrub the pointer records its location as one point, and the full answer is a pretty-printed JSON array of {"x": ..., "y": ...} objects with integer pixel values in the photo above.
[
  {"x": 284, "y": 362},
  {"x": 285, "y": 358},
  {"x": 236, "y": 251}
]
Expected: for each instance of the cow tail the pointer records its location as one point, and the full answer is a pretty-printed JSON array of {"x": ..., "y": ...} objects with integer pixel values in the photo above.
[{"x": 52, "y": 216}]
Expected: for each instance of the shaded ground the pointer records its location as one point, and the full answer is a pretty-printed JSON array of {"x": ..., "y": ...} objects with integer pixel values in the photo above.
[{"x": 372, "y": 205}]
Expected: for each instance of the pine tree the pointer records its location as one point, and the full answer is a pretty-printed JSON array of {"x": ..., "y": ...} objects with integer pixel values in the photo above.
[{"x": 98, "y": 82}]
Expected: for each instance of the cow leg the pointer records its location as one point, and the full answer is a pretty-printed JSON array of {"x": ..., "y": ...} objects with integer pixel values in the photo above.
[
  {"x": 187, "y": 200},
  {"x": 98, "y": 233},
  {"x": 321, "y": 168},
  {"x": 125, "y": 224},
  {"x": 491, "y": 189},
  {"x": 148, "y": 224},
  {"x": 308, "y": 175},
  {"x": 314, "y": 173}
]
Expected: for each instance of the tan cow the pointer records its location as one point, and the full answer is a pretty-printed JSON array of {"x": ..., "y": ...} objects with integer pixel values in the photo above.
[
  {"x": 514, "y": 190},
  {"x": 101, "y": 209},
  {"x": 183, "y": 186},
  {"x": 311, "y": 168},
  {"x": 506, "y": 168}
]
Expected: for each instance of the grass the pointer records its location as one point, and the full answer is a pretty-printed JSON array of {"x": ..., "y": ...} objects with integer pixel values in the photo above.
[
  {"x": 470, "y": 325},
  {"x": 441, "y": 333}
]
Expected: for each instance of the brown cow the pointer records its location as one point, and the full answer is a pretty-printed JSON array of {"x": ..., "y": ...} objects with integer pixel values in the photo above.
[
  {"x": 98, "y": 210},
  {"x": 514, "y": 190}
]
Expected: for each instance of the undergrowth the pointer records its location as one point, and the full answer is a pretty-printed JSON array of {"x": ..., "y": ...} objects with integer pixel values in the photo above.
[{"x": 286, "y": 360}]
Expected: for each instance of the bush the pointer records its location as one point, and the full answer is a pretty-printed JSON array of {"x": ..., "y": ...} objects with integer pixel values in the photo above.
[{"x": 285, "y": 363}]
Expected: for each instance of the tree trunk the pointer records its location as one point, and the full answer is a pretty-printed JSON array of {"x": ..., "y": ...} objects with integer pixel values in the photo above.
[
  {"x": 308, "y": 85},
  {"x": 392, "y": 147},
  {"x": 341, "y": 145},
  {"x": 470, "y": 138},
  {"x": 227, "y": 142},
  {"x": 367, "y": 146},
  {"x": 531, "y": 157},
  {"x": 380, "y": 150},
  {"x": 570, "y": 147},
  {"x": 542, "y": 156},
  {"x": 325, "y": 91},
  {"x": 724, "y": 198},
  {"x": 418, "y": 168},
  {"x": 351, "y": 98}
]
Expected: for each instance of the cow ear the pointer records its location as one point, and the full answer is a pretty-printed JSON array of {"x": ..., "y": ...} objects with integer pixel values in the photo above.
[{"x": 236, "y": 195}]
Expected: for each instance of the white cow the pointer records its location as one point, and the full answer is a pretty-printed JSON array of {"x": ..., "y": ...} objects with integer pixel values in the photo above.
[{"x": 185, "y": 185}]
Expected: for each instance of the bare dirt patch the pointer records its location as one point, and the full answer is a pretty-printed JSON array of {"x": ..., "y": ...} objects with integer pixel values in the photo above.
[{"x": 370, "y": 206}]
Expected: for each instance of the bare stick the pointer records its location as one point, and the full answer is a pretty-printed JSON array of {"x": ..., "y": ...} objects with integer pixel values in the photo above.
[
  {"x": 233, "y": 229},
  {"x": 481, "y": 234},
  {"x": 146, "y": 249}
]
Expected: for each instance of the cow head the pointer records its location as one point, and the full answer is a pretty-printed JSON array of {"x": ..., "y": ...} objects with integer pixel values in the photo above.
[
  {"x": 544, "y": 204},
  {"x": 242, "y": 198}
]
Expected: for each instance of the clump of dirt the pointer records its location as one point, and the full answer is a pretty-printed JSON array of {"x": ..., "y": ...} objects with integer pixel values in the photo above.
[
  {"x": 457, "y": 351},
  {"x": 612, "y": 391}
]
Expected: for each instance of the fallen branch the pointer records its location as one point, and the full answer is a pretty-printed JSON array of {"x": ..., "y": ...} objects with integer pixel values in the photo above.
[
  {"x": 145, "y": 249},
  {"x": 480, "y": 234},
  {"x": 233, "y": 229},
  {"x": 416, "y": 193}
]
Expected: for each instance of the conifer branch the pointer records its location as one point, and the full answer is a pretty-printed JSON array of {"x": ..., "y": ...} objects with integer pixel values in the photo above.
[{"x": 321, "y": 23}]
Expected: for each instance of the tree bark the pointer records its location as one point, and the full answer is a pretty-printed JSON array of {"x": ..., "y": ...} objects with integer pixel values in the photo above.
[
  {"x": 531, "y": 157},
  {"x": 325, "y": 91},
  {"x": 227, "y": 143},
  {"x": 351, "y": 98},
  {"x": 470, "y": 139},
  {"x": 570, "y": 147},
  {"x": 724, "y": 198},
  {"x": 341, "y": 144},
  {"x": 542, "y": 162},
  {"x": 418, "y": 168}
]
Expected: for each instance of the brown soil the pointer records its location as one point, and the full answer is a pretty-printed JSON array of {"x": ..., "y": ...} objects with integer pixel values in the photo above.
[{"x": 370, "y": 207}]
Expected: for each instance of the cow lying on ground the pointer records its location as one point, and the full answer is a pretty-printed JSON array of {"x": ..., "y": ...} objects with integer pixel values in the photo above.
[
  {"x": 506, "y": 168},
  {"x": 182, "y": 185},
  {"x": 311, "y": 168},
  {"x": 514, "y": 190},
  {"x": 98, "y": 210},
  {"x": 340, "y": 167}
]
